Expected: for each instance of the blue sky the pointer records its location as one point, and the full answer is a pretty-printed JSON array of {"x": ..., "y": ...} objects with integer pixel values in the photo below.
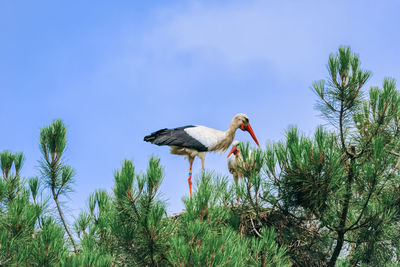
[{"x": 117, "y": 72}]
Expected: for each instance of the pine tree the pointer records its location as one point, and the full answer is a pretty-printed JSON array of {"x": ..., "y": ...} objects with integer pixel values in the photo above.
[
  {"x": 140, "y": 227},
  {"x": 27, "y": 237},
  {"x": 97, "y": 245},
  {"x": 56, "y": 175},
  {"x": 17, "y": 215},
  {"x": 345, "y": 179}
]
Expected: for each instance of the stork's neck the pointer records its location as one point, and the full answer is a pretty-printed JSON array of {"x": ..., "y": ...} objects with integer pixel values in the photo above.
[{"x": 230, "y": 133}]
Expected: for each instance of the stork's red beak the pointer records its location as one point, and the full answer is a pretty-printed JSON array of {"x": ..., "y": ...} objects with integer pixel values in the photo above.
[
  {"x": 233, "y": 150},
  {"x": 250, "y": 130}
]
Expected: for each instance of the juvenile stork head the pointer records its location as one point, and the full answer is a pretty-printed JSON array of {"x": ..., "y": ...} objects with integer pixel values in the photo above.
[
  {"x": 235, "y": 148},
  {"x": 242, "y": 121}
]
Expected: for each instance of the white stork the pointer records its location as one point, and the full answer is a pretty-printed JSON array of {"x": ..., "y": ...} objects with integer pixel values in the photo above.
[
  {"x": 237, "y": 165},
  {"x": 194, "y": 141}
]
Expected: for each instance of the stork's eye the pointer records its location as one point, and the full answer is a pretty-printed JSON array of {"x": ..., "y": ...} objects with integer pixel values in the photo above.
[{"x": 247, "y": 120}]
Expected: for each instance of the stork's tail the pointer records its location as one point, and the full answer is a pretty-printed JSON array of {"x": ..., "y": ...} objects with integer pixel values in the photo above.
[{"x": 153, "y": 136}]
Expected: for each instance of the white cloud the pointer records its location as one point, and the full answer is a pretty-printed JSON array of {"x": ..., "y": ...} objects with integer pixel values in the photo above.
[{"x": 284, "y": 35}]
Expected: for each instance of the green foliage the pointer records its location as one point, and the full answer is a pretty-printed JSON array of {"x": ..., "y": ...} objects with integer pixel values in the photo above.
[
  {"x": 56, "y": 176},
  {"x": 17, "y": 226},
  {"x": 331, "y": 199},
  {"x": 6, "y": 161},
  {"x": 205, "y": 236},
  {"x": 341, "y": 95},
  {"x": 252, "y": 162},
  {"x": 18, "y": 216},
  {"x": 88, "y": 259},
  {"x": 93, "y": 229},
  {"x": 266, "y": 251},
  {"x": 202, "y": 236},
  {"x": 311, "y": 170},
  {"x": 49, "y": 246},
  {"x": 362, "y": 207},
  {"x": 11, "y": 184},
  {"x": 141, "y": 229},
  {"x": 53, "y": 141},
  {"x": 199, "y": 245},
  {"x": 34, "y": 186}
]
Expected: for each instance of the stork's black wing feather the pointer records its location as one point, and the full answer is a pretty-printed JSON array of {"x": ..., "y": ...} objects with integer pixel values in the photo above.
[{"x": 175, "y": 137}]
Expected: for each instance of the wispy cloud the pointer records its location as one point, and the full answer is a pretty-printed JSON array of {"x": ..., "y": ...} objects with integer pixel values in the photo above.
[
  {"x": 293, "y": 37},
  {"x": 238, "y": 34}
]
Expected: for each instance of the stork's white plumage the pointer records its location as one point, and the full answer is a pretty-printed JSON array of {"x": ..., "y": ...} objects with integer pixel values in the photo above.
[
  {"x": 237, "y": 166},
  {"x": 194, "y": 141}
]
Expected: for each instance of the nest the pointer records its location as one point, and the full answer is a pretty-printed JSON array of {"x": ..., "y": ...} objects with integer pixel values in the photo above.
[{"x": 299, "y": 236}]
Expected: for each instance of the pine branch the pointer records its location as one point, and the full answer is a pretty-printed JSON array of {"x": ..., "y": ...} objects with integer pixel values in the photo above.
[
  {"x": 64, "y": 222},
  {"x": 341, "y": 228},
  {"x": 352, "y": 227}
]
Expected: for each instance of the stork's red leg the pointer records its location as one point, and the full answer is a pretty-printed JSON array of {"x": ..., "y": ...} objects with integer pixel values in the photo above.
[{"x": 190, "y": 176}]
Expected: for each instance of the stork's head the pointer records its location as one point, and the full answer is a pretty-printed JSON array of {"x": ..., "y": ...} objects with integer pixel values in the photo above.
[
  {"x": 242, "y": 121},
  {"x": 235, "y": 148}
]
